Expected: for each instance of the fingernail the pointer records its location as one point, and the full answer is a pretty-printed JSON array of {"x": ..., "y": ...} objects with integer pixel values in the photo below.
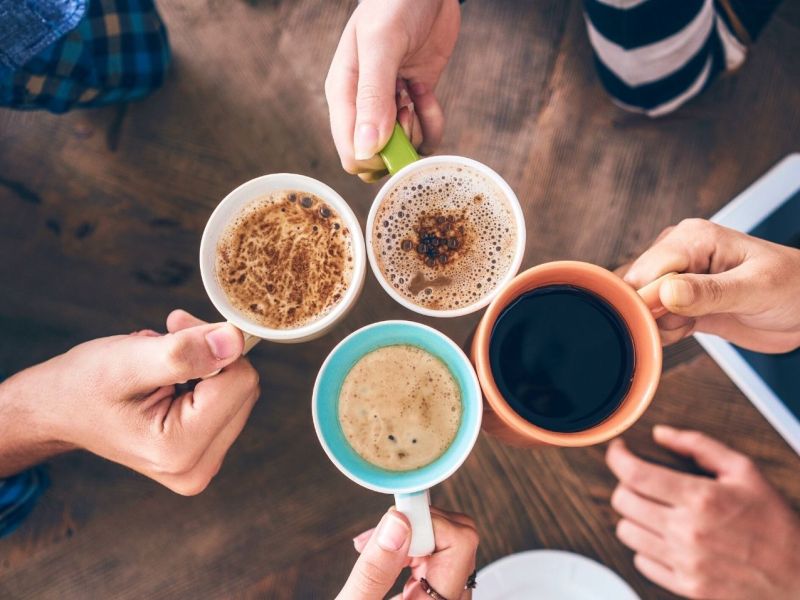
[
  {"x": 223, "y": 341},
  {"x": 661, "y": 430},
  {"x": 403, "y": 99},
  {"x": 392, "y": 533},
  {"x": 363, "y": 536},
  {"x": 366, "y": 141},
  {"x": 680, "y": 292}
]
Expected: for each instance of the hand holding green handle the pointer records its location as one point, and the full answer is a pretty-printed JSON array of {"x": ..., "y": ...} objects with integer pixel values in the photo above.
[{"x": 399, "y": 151}]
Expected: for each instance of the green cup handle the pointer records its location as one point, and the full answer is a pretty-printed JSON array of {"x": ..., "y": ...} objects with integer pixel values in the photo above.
[{"x": 399, "y": 151}]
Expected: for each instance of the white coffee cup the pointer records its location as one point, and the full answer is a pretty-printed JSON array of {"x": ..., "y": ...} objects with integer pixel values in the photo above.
[
  {"x": 402, "y": 161},
  {"x": 231, "y": 206}
]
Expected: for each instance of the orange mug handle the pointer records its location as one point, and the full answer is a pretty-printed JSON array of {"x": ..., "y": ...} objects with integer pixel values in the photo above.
[{"x": 651, "y": 297}]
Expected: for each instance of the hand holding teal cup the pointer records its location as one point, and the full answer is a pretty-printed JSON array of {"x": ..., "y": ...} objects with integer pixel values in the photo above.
[{"x": 410, "y": 488}]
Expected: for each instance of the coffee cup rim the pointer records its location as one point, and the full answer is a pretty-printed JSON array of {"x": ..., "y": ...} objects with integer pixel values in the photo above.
[
  {"x": 516, "y": 211},
  {"x": 638, "y": 320},
  {"x": 232, "y": 204},
  {"x": 406, "y": 482}
]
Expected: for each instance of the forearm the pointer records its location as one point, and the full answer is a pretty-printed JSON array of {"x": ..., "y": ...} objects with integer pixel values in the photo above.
[{"x": 26, "y": 436}]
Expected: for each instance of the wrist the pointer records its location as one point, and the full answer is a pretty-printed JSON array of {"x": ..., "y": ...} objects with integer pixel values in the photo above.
[{"x": 27, "y": 430}]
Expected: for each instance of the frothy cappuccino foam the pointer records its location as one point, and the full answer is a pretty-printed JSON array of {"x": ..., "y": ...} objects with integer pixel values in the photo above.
[
  {"x": 444, "y": 237},
  {"x": 400, "y": 407},
  {"x": 286, "y": 260}
]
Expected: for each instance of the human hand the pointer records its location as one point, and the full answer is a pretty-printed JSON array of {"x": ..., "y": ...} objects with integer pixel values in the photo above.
[
  {"x": 117, "y": 397},
  {"x": 731, "y": 536},
  {"x": 733, "y": 285},
  {"x": 384, "y": 45},
  {"x": 384, "y": 554}
]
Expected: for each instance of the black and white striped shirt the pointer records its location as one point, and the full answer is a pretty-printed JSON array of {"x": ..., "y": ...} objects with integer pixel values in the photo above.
[{"x": 652, "y": 56}]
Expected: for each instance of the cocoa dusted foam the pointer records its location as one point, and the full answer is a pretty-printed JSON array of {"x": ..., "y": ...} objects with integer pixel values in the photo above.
[
  {"x": 286, "y": 260},
  {"x": 400, "y": 407},
  {"x": 444, "y": 237}
]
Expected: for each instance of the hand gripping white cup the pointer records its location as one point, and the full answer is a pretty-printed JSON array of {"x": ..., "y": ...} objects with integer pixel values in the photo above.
[
  {"x": 410, "y": 488},
  {"x": 445, "y": 233},
  {"x": 231, "y": 207}
]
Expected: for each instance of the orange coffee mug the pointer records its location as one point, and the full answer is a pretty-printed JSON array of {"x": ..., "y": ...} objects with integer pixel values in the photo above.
[{"x": 639, "y": 312}]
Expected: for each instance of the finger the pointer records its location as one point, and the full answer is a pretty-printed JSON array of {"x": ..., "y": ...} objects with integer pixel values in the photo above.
[
  {"x": 642, "y": 541},
  {"x": 407, "y": 115},
  {"x": 674, "y": 328},
  {"x": 693, "y": 246},
  {"x": 230, "y": 432},
  {"x": 197, "y": 478},
  {"x": 670, "y": 322},
  {"x": 708, "y": 453},
  {"x": 379, "y": 55},
  {"x": 663, "y": 257},
  {"x": 650, "y": 480},
  {"x": 179, "y": 319},
  {"x": 454, "y": 559},
  {"x": 693, "y": 295},
  {"x": 408, "y": 120},
  {"x": 459, "y": 518},
  {"x": 669, "y": 337},
  {"x": 340, "y": 92},
  {"x": 145, "y": 363},
  {"x": 621, "y": 270},
  {"x": 645, "y": 512},
  {"x": 672, "y": 250},
  {"x": 214, "y": 402},
  {"x": 146, "y": 333},
  {"x": 657, "y": 572},
  {"x": 381, "y": 561},
  {"x": 372, "y": 176},
  {"x": 360, "y": 541},
  {"x": 412, "y": 590},
  {"x": 759, "y": 340},
  {"x": 431, "y": 116}
]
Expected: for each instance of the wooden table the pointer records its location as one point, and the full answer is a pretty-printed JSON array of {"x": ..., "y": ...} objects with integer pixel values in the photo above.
[{"x": 100, "y": 219}]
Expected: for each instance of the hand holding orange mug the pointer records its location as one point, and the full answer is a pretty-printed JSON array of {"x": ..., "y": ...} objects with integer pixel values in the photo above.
[
  {"x": 734, "y": 285},
  {"x": 567, "y": 354}
]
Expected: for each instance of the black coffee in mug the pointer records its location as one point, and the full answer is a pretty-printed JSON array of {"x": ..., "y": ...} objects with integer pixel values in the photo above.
[{"x": 562, "y": 357}]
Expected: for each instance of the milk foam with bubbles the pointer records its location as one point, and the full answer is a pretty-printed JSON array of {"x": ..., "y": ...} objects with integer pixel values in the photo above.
[
  {"x": 484, "y": 253},
  {"x": 400, "y": 407}
]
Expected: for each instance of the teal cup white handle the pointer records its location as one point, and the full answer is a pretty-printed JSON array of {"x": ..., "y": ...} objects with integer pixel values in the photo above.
[{"x": 410, "y": 488}]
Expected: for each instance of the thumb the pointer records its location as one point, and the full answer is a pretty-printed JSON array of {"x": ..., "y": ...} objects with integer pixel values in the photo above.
[
  {"x": 381, "y": 560},
  {"x": 693, "y": 295},
  {"x": 710, "y": 454},
  {"x": 183, "y": 355},
  {"x": 376, "y": 108}
]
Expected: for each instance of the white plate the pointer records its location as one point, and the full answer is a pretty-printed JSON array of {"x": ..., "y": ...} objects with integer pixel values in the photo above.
[{"x": 550, "y": 575}]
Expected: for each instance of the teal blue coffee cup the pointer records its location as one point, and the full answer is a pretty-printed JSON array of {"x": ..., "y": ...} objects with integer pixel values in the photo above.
[{"x": 410, "y": 488}]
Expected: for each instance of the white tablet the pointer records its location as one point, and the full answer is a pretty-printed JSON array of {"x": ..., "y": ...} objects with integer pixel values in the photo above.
[{"x": 768, "y": 209}]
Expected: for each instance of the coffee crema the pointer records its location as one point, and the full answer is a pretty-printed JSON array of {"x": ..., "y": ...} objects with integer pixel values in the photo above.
[
  {"x": 444, "y": 237},
  {"x": 286, "y": 260},
  {"x": 400, "y": 407}
]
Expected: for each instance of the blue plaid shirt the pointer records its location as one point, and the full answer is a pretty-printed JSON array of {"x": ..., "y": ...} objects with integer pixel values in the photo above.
[{"x": 116, "y": 51}]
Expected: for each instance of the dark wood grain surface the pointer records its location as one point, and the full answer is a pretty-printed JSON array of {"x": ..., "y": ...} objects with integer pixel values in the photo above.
[{"x": 101, "y": 214}]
